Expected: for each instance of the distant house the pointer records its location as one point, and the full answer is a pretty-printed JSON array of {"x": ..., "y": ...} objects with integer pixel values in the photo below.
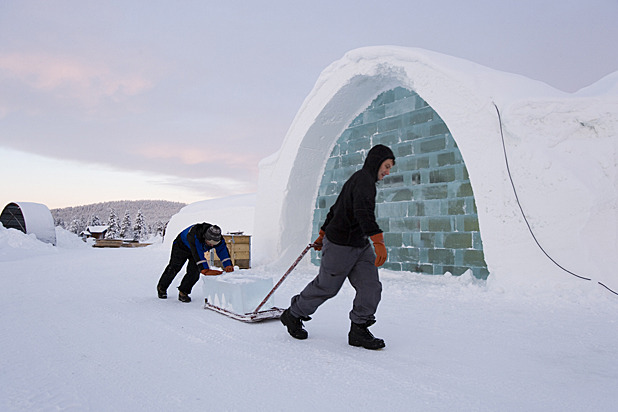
[
  {"x": 95, "y": 232},
  {"x": 30, "y": 218}
]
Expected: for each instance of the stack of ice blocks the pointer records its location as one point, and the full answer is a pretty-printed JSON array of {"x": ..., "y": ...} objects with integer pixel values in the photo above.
[{"x": 237, "y": 293}]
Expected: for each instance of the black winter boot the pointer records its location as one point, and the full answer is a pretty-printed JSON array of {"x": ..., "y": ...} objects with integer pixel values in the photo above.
[
  {"x": 183, "y": 297},
  {"x": 360, "y": 336},
  {"x": 294, "y": 325},
  {"x": 161, "y": 292}
]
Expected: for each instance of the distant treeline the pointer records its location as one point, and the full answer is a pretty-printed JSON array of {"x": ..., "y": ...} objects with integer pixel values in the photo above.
[{"x": 149, "y": 217}]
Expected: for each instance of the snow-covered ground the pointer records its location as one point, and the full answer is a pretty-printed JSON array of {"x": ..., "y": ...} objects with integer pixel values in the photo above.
[{"x": 83, "y": 330}]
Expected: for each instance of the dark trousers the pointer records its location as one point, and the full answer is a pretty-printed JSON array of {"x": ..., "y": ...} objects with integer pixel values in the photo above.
[
  {"x": 338, "y": 264},
  {"x": 180, "y": 255}
]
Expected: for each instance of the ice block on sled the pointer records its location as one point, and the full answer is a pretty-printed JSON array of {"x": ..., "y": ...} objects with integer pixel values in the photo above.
[{"x": 238, "y": 293}]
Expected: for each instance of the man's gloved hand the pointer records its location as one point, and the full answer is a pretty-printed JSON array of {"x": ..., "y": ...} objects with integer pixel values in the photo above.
[
  {"x": 378, "y": 245},
  {"x": 229, "y": 269},
  {"x": 211, "y": 272},
  {"x": 318, "y": 243}
]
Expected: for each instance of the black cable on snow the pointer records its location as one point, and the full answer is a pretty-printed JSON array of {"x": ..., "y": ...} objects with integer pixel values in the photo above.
[
  {"x": 506, "y": 160},
  {"x": 606, "y": 287}
]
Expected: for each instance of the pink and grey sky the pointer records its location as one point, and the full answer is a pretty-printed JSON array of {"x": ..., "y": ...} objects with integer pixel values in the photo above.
[{"x": 180, "y": 100}]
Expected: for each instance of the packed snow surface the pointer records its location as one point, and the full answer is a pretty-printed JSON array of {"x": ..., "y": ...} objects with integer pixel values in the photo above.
[{"x": 83, "y": 330}]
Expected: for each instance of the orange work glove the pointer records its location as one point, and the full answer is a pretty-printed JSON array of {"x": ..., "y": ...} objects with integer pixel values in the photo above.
[
  {"x": 318, "y": 243},
  {"x": 228, "y": 269},
  {"x": 378, "y": 245},
  {"x": 211, "y": 272}
]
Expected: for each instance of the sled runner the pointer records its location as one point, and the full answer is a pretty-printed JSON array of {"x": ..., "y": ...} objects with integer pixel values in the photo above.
[{"x": 258, "y": 315}]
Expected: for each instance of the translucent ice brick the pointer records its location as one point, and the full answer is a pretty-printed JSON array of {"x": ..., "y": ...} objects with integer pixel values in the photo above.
[{"x": 237, "y": 293}]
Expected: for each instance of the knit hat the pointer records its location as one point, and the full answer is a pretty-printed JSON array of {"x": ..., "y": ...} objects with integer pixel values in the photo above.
[{"x": 213, "y": 234}]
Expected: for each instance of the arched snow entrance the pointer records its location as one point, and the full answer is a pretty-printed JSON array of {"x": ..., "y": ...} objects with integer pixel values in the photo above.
[
  {"x": 426, "y": 206},
  {"x": 289, "y": 180},
  {"x": 534, "y": 208},
  {"x": 30, "y": 218}
]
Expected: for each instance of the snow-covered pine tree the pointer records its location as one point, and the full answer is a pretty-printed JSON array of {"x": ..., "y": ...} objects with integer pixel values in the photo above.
[
  {"x": 153, "y": 210},
  {"x": 75, "y": 226},
  {"x": 114, "y": 229},
  {"x": 95, "y": 221},
  {"x": 60, "y": 222},
  {"x": 139, "y": 229},
  {"x": 125, "y": 227},
  {"x": 158, "y": 228}
]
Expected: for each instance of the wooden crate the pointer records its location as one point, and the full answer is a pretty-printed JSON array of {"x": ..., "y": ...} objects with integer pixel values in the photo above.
[
  {"x": 108, "y": 243},
  {"x": 239, "y": 247},
  {"x": 118, "y": 243},
  {"x": 135, "y": 244}
]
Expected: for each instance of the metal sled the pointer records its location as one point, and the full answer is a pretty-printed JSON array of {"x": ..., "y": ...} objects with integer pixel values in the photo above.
[{"x": 259, "y": 315}]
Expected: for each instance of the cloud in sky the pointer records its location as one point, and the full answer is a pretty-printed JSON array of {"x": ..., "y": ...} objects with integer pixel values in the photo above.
[
  {"x": 209, "y": 160},
  {"x": 70, "y": 78},
  {"x": 199, "y": 92}
]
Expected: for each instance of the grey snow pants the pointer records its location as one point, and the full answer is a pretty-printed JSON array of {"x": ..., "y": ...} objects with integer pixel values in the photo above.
[{"x": 338, "y": 264}]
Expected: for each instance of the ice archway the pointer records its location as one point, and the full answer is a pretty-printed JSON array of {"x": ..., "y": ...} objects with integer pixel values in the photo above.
[{"x": 544, "y": 131}]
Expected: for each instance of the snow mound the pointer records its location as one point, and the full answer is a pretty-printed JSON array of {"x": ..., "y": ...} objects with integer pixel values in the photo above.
[
  {"x": 232, "y": 214},
  {"x": 16, "y": 245}
]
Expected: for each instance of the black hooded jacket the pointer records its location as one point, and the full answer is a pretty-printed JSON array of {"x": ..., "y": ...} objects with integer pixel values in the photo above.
[{"x": 351, "y": 220}]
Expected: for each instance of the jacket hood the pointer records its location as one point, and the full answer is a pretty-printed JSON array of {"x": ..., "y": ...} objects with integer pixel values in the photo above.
[{"x": 376, "y": 156}]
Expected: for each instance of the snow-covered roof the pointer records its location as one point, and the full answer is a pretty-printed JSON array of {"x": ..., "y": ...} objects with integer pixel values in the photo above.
[
  {"x": 561, "y": 151},
  {"x": 97, "y": 228}
]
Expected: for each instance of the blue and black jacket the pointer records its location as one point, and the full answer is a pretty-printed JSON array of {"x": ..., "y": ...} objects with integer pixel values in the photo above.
[{"x": 193, "y": 238}]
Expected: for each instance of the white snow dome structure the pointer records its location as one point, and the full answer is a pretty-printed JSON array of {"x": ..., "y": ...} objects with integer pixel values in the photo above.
[
  {"x": 496, "y": 173},
  {"x": 30, "y": 218},
  {"x": 231, "y": 214}
]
